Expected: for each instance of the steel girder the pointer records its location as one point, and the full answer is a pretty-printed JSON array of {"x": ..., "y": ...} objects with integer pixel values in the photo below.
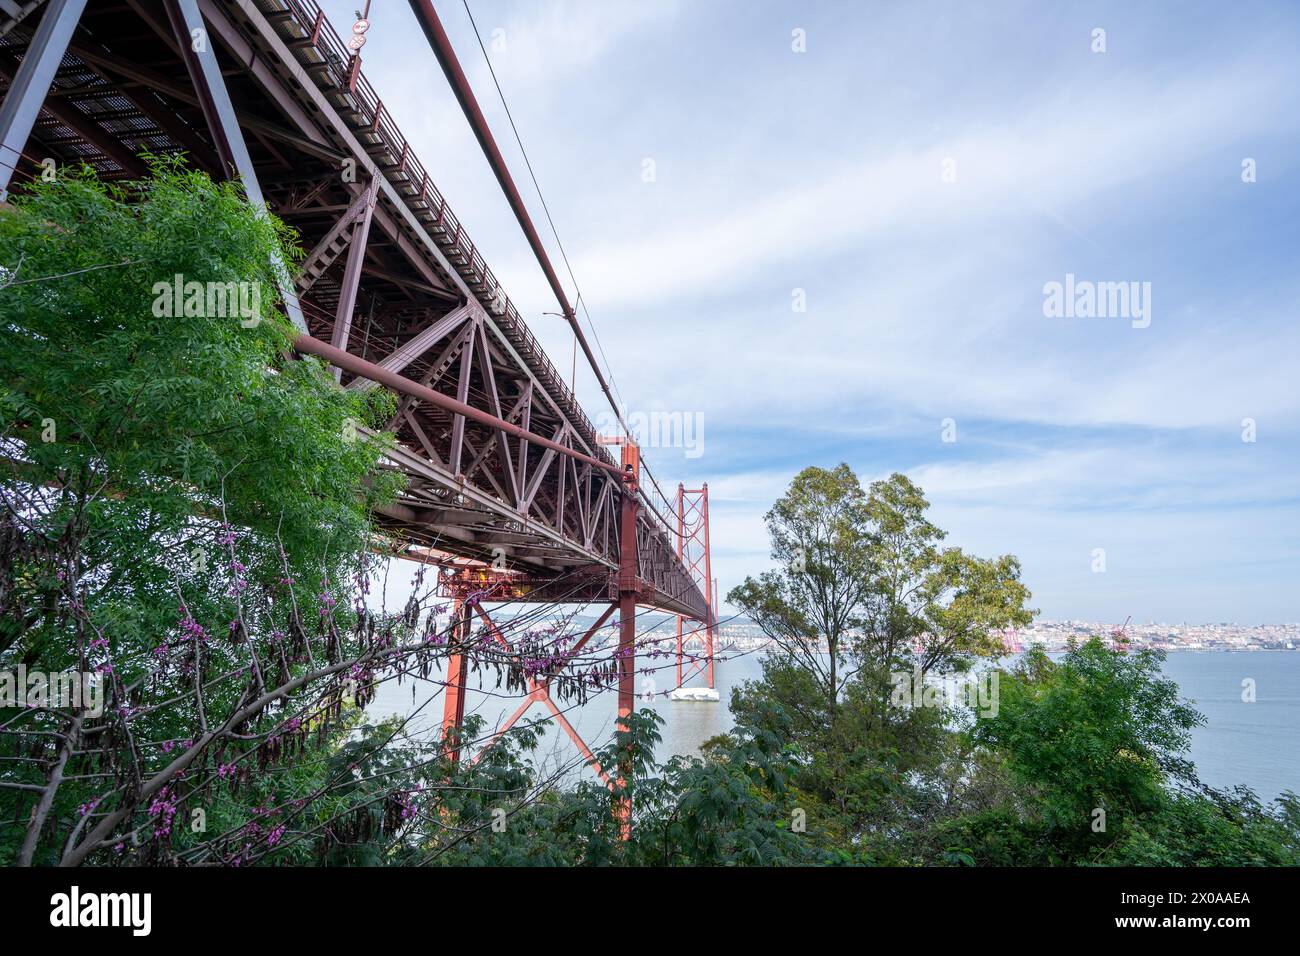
[{"x": 391, "y": 275}]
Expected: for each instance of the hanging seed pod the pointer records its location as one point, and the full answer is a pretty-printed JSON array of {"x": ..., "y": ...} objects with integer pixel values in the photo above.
[
  {"x": 411, "y": 614},
  {"x": 11, "y": 547},
  {"x": 297, "y": 636},
  {"x": 333, "y": 642}
]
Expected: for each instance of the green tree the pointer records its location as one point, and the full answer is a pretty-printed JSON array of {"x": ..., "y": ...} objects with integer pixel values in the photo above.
[
  {"x": 863, "y": 575},
  {"x": 183, "y": 501},
  {"x": 864, "y": 570},
  {"x": 1093, "y": 750},
  {"x": 734, "y": 807},
  {"x": 930, "y": 608},
  {"x": 821, "y": 543}
]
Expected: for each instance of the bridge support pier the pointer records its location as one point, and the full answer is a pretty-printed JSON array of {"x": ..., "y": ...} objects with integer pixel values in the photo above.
[
  {"x": 627, "y": 587},
  {"x": 453, "y": 703},
  {"x": 627, "y": 599},
  {"x": 538, "y": 688}
]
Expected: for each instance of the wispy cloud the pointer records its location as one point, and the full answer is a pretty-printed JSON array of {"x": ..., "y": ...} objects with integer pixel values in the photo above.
[{"x": 1048, "y": 160}]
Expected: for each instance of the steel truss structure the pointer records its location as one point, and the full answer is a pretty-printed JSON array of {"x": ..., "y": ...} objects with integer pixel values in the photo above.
[{"x": 503, "y": 467}]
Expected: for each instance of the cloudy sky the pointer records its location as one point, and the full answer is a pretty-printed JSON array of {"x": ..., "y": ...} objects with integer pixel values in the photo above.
[{"x": 916, "y": 174}]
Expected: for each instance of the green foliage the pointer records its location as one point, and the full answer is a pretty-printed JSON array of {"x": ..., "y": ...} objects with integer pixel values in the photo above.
[
  {"x": 135, "y": 441},
  {"x": 163, "y": 408},
  {"x": 821, "y": 543},
  {"x": 863, "y": 572},
  {"x": 1214, "y": 828},
  {"x": 1099, "y": 729},
  {"x": 1083, "y": 761},
  {"x": 931, "y": 607},
  {"x": 1094, "y": 747},
  {"x": 733, "y": 808},
  {"x": 864, "y": 589}
]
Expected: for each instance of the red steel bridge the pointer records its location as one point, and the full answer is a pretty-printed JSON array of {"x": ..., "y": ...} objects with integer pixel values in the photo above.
[{"x": 510, "y": 489}]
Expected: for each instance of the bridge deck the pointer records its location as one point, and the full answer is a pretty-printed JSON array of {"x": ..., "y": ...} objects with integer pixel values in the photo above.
[{"x": 390, "y": 275}]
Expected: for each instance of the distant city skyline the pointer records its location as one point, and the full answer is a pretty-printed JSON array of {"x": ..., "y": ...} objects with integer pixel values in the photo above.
[
  {"x": 859, "y": 247},
  {"x": 1055, "y": 635}
]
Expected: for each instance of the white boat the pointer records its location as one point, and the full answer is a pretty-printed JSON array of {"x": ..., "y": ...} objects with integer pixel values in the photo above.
[{"x": 695, "y": 693}]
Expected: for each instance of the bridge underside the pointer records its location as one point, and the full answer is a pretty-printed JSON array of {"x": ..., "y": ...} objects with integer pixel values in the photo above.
[{"x": 389, "y": 274}]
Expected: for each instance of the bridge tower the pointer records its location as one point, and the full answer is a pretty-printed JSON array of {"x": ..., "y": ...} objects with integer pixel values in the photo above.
[{"x": 694, "y": 554}]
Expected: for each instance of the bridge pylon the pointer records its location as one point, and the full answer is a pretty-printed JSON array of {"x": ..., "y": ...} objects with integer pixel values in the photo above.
[{"x": 694, "y": 554}]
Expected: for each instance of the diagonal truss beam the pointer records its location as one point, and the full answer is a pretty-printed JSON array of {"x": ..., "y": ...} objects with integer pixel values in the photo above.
[
  {"x": 340, "y": 235},
  {"x": 214, "y": 100},
  {"x": 32, "y": 80},
  {"x": 539, "y": 691},
  {"x": 359, "y": 232},
  {"x": 418, "y": 344},
  {"x": 359, "y": 366}
]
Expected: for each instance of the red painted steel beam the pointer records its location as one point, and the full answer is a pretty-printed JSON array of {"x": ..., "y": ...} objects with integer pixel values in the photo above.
[
  {"x": 446, "y": 55},
  {"x": 400, "y": 383},
  {"x": 708, "y": 578},
  {"x": 591, "y": 632},
  {"x": 694, "y": 553},
  {"x": 353, "y": 268},
  {"x": 453, "y": 712},
  {"x": 538, "y": 691},
  {"x": 681, "y": 532},
  {"x": 627, "y": 599}
]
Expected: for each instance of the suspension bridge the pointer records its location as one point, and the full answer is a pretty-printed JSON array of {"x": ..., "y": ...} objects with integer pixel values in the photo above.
[{"x": 510, "y": 490}]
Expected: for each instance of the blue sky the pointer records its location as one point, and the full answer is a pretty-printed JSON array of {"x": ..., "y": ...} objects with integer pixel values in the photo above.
[{"x": 823, "y": 170}]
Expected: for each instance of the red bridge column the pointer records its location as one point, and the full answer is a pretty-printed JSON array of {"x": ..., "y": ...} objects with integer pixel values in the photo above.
[
  {"x": 681, "y": 532},
  {"x": 711, "y": 624},
  {"x": 627, "y": 598},
  {"x": 453, "y": 701}
]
